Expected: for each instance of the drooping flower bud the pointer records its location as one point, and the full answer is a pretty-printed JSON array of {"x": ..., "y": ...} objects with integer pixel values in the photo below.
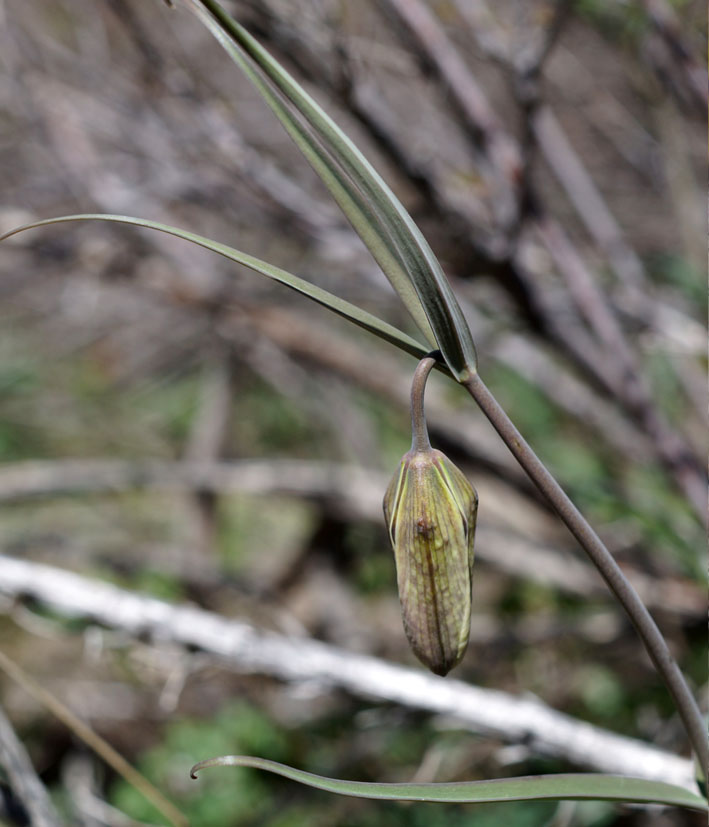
[{"x": 430, "y": 510}]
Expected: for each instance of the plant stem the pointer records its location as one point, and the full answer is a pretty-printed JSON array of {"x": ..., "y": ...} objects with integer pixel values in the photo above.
[
  {"x": 419, "y": 431},
  {"x": 603, "y": 560}
]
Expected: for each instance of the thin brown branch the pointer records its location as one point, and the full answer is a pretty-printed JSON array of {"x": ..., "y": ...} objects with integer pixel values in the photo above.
[
  {"x": 647, "y": 630},
  {"x": 93, "y": 740},
  {"x": 665, "y": 20},
  {"x": 470, "y": 103},
  {"x": 586, "y": 198},
  {"x": 620, "y": 367}
]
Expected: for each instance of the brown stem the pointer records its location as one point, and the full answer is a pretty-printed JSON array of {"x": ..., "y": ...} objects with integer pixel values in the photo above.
[
  {"x": 602, "y": 559},
  {"x": 419, "y": 431}
]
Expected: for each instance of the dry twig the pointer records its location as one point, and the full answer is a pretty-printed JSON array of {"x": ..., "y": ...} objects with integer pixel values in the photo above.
[{"x": 24, "y": 781}]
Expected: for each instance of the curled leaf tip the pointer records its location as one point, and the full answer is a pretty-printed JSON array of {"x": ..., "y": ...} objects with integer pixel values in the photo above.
[{"x": 220, "y": 761}]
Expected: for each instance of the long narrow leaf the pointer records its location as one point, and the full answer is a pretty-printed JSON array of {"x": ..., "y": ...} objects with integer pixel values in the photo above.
[
  {"x": 576, "y": 786},
  {"x": 343, "y": 308},
  {"x": 348, "y": 198},
  {"x": 394, "y": 227}
]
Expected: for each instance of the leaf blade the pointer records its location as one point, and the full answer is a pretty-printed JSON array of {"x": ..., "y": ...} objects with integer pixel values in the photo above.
[
  {"x": 346, "y": 196},
  {"x": 571, "y": 786},
  {"x": 435, "y": 296},
  {"x": 362, "y": 318}
]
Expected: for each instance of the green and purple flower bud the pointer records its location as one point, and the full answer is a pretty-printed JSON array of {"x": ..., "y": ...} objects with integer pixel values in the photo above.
[{"x": 430, "y": 510}]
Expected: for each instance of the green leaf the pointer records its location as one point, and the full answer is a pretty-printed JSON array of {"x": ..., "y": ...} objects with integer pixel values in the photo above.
[
  {"x": 343, "y": 308},
  {"x": 347, "y": 196},
  {"x": 574, "y": 786},
  {"x": 374, "y": 211}
]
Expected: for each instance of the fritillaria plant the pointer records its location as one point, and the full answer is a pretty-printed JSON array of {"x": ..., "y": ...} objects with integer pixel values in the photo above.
[
  {"x": 430, "y": 507},
  {"x": 430, "y": 510}
]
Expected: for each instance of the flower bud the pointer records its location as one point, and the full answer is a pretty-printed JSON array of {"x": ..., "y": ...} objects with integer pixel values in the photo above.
[{"x": 430, "y": 510}]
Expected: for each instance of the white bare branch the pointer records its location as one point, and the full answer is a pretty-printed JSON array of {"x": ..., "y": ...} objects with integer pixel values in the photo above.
[{"x": 250, "y": 650}]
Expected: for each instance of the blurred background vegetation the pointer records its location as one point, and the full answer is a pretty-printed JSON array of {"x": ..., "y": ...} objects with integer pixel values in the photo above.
[{"x": 116, "y": 343}]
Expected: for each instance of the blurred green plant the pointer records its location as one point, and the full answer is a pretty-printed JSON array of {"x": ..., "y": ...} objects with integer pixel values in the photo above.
[{"x": 217, "y": 804}]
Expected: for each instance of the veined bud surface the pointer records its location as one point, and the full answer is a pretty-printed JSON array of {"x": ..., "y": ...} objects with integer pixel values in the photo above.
[{"x": 430, "y": 510}]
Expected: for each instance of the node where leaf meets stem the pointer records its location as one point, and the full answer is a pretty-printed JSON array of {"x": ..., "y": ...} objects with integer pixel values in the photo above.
[{"x": 602, "y": 559}]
